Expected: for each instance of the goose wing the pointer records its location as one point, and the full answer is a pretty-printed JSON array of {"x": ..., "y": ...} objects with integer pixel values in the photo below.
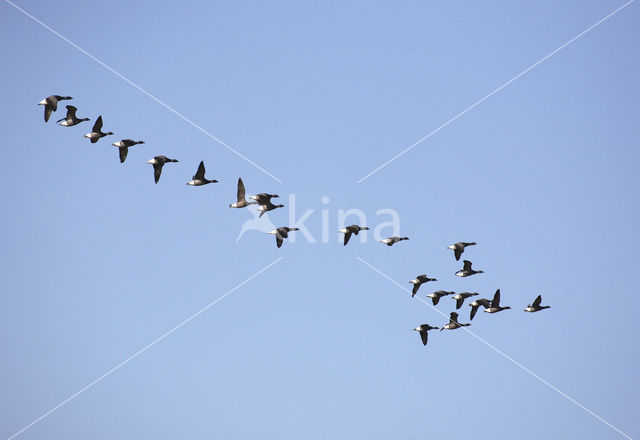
[
  {"x": 157, "y": 170},
  {"x": 48, "y": 109},
  {"x": 279, "y": 240},
  {"x": 474, "y": 310},
  {"x": 496, "y": 299},
  {"x": 123, "y": 153},
  {"x": 347, "y": 236},
  {"x": 537, "y": 301},
  {"x": 71, "y": 112},
  {"x": 97, "y": 127},
  {"x": 424, "y": 335},
  {"x": 457, "y": 253},
  {"x": 453, "y": 318},
  {"x": 435, "y": 300},
  {"x": 200, "y": 173},
  {"x": 52, "y": 101},
  {"x": 459, "y": 302},
  {"x": 240, "y": 190},
  {"x": 467, "y": 265},
  {"x": 415, "y": 290}
]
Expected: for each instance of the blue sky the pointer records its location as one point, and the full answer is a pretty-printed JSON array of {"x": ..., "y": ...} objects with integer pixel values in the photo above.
[{"x": 98, "y": 261}]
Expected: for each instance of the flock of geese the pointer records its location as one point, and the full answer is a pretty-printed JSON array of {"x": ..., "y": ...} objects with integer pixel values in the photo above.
[{"x": 263, "y": 200}]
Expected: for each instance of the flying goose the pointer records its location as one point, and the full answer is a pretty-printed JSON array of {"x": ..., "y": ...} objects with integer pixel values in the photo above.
[
  {"x": 241, "y": 203},
  {"x": 51, "y": 105},
  {"x": 123, "y": 147},
  {"x": 536, "y": 307},
  {"x": 453, "y": 323},
  {"x": 495, "y": 304},
  {"x": 392, "y": 240},
  {"x": 199, "y": 179},
  {"x": 435, "y": 296},
  {"x": 70, "y": 120},
  {"x": 353, "y": 229},
  {"x": 96, "y": 131},
  {"x": 419, "y": 280},
  {"x": 158, "y": 162},
  {"x": 423, "y": 329},
  {"x": 466, "y": 270},
  {"x": 282, "y": 233},
  {"x": 477, "y": 303},
  {"x": 267, "y": 207},
  {"x": 460, "y": 297},
  {"x": 458, "y": 248},
  {"x": 263, "y": 198}
]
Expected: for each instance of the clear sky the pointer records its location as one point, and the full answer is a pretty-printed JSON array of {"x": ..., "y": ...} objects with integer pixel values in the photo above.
[{"x": 97, "y": 261}]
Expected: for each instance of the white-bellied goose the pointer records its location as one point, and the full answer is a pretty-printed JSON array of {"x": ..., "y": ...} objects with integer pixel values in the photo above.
[
  {"x": 536, "y": 307},
  {"x": 393, "y": 240},
  {"x": 423, "y": 329},
  {"x": 282, "y": 233},
  {"x": 486, "y": 303},
  {"x": 453, "y": 323},
  {"x": 353, "y": 229},
  {"x": 263, "y": 198},
  {"x": 458, "y": 248},
  {"x": 70, "y": 120},
  {"x": 418, "y": 281},
  {"x": 267, "y": 207},
  {"x": 51, "y": 104},
  {"x": 96, "y": 131},
  {"x": 198, "y": 179},
  {"x": 158, "y": 162},
  {"x": 242, "y": 202},
  {"x": 123, "y": 147},
  {"x": 466, "y": 270},
  {"x": 460, "y": 297},
  {"x": 435, "y": 296},
  {"x": 495, "y": 304}
]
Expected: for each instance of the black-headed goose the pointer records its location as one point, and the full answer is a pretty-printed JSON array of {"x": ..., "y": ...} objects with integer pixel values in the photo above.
[
  {"x": 198, "y": 179},
  {"x": 96, "y": 131},
  {"x": 70, "y": 120},
  {"x": 435, "y": 296},
  {"x": 393, "y": 240},
  {"x": 353, "y": 229},
  {"x": 263, "y": 198},
  {"x": 158, "y": 162},
  {"x": 424, "y": 329},
  {"x": 486, "y": 303},
  {"x": 123, "y": 147},
  {"x": 460, "y": 297},
  {"x": 268, "y": 207},
  {"x": 458, "y": 248},
  {"x": 453, "y": 323},
  {"x": 495, "y": 304},
  {"x": 242, "y": 202},
  {"x": 467, "y": 270},
  {"x": 418, "y": 281},
  {"x": 536, "y": 307},
  {"x": 281, "y": 233},
  {"x": 51, "y": 104}
]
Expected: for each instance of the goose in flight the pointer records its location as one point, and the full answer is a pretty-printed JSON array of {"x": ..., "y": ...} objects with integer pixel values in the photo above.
[
  {"x": 536, "y": 307},
  {"x": 418, "y": 281},
  {"x": 242, "y": 202},
  {"x": 51, "y": 105},
  {"x": 70, "y": 120},
  {"x": 460, "y": 297},
  {"x": 435, "y": 296},
  {"x": 423, "y": 329},
  {"x": 268, "y": 207},
  {"x": 495, "y": 304},
  {"x": 198, "y": 179},
  {"x": 158, "y": 162},
  {"x": 477, "y": 303},
  {"x": 353, "y": 229},
  {"x": 393, "y": 240},
  {"x": 458, "y": 248},
  {"x": 96, "y": 131},
  {"x": 123, "y": 147},
  {"x": 263, "y": 198},
  {"x": 466, "y": 270},
  {"x": 453, "y": 323},
  {"x": 282, "y": 233}
]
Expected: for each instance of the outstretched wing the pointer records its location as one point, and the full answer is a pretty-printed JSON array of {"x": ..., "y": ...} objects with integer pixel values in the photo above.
[
  {"x": 435, "y": 300},
  {"x": 467, "y": 265},
  {"x": 459, "y": 303},
  {"x": 200, "y": 173},
  {"x": 123, "y": 153},
  {"x": 415, "y": 290},
  {"x": 71, "y": 112},
  {"x": 98, "y": 125},
  {"x": 347, "y": 236},
  {"x": 279, "y": 240},
  {"x": 496, "y": 299},
  {"x": 240, "y": 190},
  {"x": 453, "y": 318},
  {"x": 47, "y": 112},
  {"x": 457, "y": 253},
  {"x": 474, "y": 309},
  {"x": 537, "y": 301},
  {"x": 424, "y": 335},
  {"x": 157, "y": 170}
]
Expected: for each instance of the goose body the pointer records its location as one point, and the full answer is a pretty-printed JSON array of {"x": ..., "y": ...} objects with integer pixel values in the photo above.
[
  {"x": 96, "y": 131},
  {"x": 158, "y": 162},
  {"x": 460, "y": 297},
  {"x": 486, "y": 303},
  {"x": 424, "y": 329},
  {"x": 467, "y": 270},
  {"x": 453, "y": 323},
  {"x": 71, "y": 119},
  {"x": 495, "y": 304},
  {"x": 435, "y": 296},
  {"x": 536, "y": 307},
  {"x": 123, "y": 147},
  {"x": 458, "y": 248},
  {"x": 242, "y": 202},
  {"x": 393, "y": 240},
  {"x": 268, "y": 207},
  {"x": 198, "y": 179},
  {"x": 353, "y": 229},
  {"x": 282, "y": 233},
  {"x": 418, "y": 281},
  {"x": 51, "y": 104}
]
